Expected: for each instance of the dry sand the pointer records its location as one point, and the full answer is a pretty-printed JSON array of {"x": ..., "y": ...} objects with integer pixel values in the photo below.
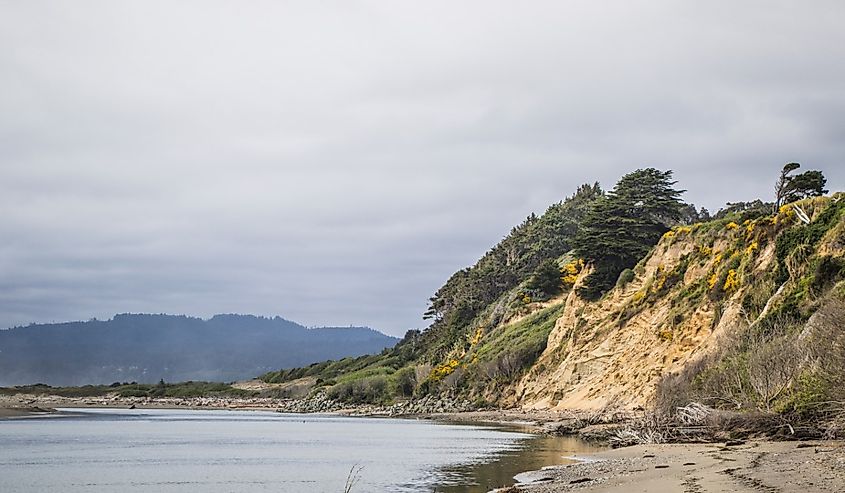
[{"x": 697, "y": 468}]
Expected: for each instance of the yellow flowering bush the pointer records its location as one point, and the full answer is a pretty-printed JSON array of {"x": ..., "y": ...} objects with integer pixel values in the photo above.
[
  {"x": 712, "y": 280},
  {"x": 717, "y": 259},
  {"x": 731, "y": 226},
  {"x": 442, "y": 371},
  {"x": 571, "y": 271},
  {"x": 659, "y": 278},
  {"x": 705, "y": 250},
  {"x": 731, "y": 281},
  {"x": 476, "y": 338},
  {"x": 785, "y": 213},
  {"x": 680, "y": 230},
  {"x": 752, "y": 248}
]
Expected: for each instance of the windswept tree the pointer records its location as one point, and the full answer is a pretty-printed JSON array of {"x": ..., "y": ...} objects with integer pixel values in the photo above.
[
  {"x": 622, "y": 226},
  {"x": 790, "y": 188}
]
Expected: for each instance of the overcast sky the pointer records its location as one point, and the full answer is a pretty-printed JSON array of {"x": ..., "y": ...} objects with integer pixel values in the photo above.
[{"x": 335, "y": 162}]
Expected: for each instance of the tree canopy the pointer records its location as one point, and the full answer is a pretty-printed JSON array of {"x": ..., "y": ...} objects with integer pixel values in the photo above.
[
  {"x": 621, "y": 227},
  {"x": 790, "y": 188},
  {"x": 546, "y": 278}
]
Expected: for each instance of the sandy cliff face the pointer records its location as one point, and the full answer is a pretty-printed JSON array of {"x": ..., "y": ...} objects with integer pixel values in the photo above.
[{"x": 698, "y": 283}]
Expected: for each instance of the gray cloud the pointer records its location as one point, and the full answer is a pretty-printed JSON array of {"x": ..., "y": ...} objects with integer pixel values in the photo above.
[{"x": 335, "y": 162}]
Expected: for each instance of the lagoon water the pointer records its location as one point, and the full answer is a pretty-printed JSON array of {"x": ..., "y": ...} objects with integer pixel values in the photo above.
[{"x": 243, "y": 451}]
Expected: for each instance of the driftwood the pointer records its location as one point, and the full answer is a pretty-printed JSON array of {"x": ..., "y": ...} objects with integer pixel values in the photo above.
[{"x": 801, "y": 214}]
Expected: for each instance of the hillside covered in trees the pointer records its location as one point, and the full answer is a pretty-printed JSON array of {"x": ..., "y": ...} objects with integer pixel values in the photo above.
[
  {"x": 627, "y": 297},
  {"x": 148, "y": 348}
]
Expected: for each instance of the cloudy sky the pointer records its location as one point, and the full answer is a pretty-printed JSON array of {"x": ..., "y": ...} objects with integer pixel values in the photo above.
[{"x": 335, "y": 162}]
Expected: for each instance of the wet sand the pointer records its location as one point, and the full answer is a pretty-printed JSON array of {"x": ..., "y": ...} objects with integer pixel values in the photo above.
[
  {"x": 697, "y": 468},
  {"x": 23, "y": 412}
]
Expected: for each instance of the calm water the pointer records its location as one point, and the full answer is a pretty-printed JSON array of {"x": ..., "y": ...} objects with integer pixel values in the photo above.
[{"x": 232, "y": 451}]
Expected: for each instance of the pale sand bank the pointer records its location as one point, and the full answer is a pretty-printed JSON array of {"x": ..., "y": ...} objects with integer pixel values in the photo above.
[
  {"x": 23, "y": 412},
  {"x": 803, "y": 467}
]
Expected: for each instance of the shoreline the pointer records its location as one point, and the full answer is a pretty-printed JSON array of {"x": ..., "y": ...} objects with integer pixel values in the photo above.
[
  {"x": 20, "y": 405},
  {"x": 24, "y": 412},
  {"x": 755, "y": 465},
  {"x": 789, "y": 467}
]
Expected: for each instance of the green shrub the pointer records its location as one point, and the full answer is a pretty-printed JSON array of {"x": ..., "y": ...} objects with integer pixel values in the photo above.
[
  {"x": 546, "y": 278},
  {"x": 405, "y": 382},
  {"x": 810, "y": 389},
  {"x": 625, "y": 277},
  {"x": 363, "y": 390},
  {"x": 828, "y": 271},
  {"x": 807, "y": 235}
]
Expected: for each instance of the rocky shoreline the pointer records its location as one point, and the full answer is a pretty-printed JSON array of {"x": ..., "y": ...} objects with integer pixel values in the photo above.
[
  {"x": 558, "y": 423},
  {"x": 319, "y": 403}
]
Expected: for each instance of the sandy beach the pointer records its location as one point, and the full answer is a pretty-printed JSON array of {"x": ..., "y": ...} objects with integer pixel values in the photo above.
[{"x": 697, "y": 468}]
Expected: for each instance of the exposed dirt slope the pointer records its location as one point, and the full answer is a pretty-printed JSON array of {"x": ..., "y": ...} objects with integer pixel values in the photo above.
[{"x": 698, "y": 283}]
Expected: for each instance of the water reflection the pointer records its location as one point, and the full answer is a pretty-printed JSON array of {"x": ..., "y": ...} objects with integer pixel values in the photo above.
[
  {"x": 181, "y": 451},
  {"x": 533, "y": 453}
]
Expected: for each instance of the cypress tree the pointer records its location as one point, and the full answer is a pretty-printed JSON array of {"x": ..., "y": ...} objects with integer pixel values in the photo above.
[{"x": 622, "y": 226}]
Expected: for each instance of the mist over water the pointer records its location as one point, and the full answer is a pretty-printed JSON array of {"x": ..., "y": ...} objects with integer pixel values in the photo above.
[{"x": 224, "y": 451}]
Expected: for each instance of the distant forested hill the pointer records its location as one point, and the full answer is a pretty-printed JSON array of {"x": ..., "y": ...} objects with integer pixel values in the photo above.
[{"x": 146, "y": 348}]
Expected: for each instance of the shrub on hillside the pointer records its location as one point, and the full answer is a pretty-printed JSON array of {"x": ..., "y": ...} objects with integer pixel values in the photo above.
[
  {"x": 546, "y": 278},
  {"x": 364, "y": 390},
  {"x": 625, "y": 277},
  {"x": 779, "y": 365},
  {"x": 405, "y": 382}
]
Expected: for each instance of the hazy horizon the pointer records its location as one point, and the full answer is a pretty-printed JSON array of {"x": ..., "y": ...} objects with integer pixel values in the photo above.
[
  {"x": 335, "y": 163},
  {"x": 188, "y": 315}
]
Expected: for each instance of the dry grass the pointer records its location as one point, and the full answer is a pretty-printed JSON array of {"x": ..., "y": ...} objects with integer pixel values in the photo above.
[{"x": 353, "y": 478}]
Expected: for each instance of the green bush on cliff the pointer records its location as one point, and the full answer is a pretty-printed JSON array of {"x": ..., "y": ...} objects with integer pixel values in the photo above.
[
  {"x": 798, "y": 239},
  {"x": 625, "y": 277},
  {"x": 546, "y": 278},
  {"x": 371, "y": 389}
]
